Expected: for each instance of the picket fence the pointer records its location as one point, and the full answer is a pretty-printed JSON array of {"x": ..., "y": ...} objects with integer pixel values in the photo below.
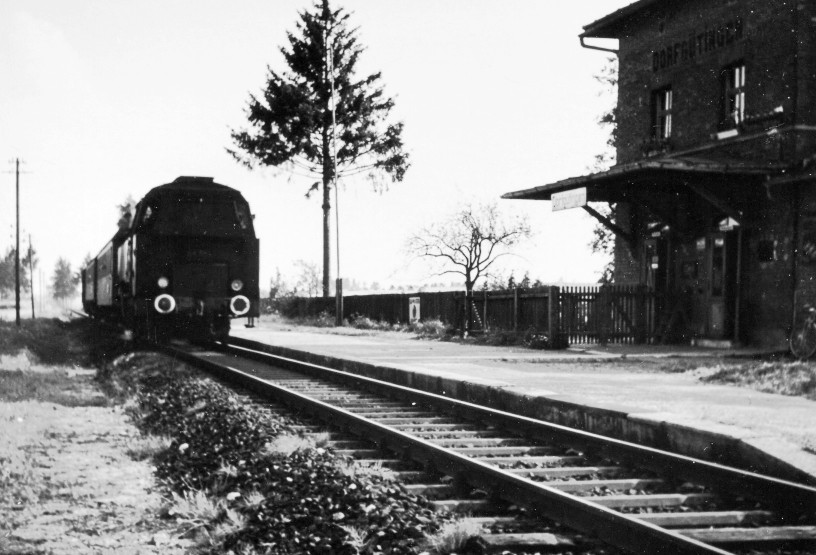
[{"x": 567, "y": 314}]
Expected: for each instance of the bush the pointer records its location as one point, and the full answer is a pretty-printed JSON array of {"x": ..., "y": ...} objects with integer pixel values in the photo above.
[
  {"x": 432, "y": 329},
  {"x": 535, "y": 339},
  {"x": 365, "y": 323}
]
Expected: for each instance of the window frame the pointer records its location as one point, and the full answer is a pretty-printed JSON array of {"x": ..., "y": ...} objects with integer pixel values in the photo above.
[
  {"x": 662, "y": 113},
  {"x": 732, "y": 95}
]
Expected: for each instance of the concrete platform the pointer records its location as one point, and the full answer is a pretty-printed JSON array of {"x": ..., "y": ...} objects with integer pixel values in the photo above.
[{"x": 650, "y": 395}]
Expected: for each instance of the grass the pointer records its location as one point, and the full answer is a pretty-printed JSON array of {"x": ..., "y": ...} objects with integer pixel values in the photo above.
[
  {"x": 784, "y": 378},
  {"x": 54, "y": 387},
  {"x": 50, "y": 341},
  {"x": 44, "y": 360},
  {"x": 18, "y": 484}
]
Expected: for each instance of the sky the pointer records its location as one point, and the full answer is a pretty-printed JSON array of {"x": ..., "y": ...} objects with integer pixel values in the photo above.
[{"x": 105, "y": 99}]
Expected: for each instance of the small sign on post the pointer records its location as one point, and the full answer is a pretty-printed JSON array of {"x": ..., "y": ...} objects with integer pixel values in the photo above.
[
  {"x": 574, "y": 198},
  {"x": 728, "y": 224},
  {"x": 413, "y": 310}
]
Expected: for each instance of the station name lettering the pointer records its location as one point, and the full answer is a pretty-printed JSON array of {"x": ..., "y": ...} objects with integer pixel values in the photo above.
[{"x": 697, "y": 44}]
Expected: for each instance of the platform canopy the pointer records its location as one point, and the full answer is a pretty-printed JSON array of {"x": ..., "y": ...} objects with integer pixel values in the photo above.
[
  {"x": 657, "y": 184},
  {"x": 620, "y": 182}
]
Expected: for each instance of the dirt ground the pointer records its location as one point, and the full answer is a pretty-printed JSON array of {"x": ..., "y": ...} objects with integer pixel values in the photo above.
[{"x": 67, "y": 483}]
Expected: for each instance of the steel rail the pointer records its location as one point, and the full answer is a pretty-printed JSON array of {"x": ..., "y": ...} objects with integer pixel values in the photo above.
[
  {"x": 624, "y": 531},
  {"x": 789, "y": 498}
]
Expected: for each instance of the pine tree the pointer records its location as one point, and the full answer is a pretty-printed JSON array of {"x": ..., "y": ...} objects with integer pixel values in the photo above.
[
  {"x": 63, "y": 282},
  {"x": 7, "y": 268},
  {"x": 292, "y": 124}
]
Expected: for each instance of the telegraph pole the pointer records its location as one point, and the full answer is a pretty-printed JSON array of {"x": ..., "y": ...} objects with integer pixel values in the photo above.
[
  {"x": 338, "y": 284},
  {"x": 31, "y": 273},
  {"x": 17, "y": 250}
]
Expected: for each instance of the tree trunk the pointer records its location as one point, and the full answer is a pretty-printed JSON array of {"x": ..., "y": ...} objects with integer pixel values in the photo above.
[
  {"x": 326, "y": 234},
  {"x": 468, "y": 306},
  {"x": 328, "y": 172}
]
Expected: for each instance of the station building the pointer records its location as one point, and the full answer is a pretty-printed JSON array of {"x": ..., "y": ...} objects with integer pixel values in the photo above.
[{"x": 714, "y": 190}]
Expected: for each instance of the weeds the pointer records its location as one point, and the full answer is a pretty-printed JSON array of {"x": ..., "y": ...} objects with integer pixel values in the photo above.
[
  {"x": 206, "y": 519},
  {"x": 785, "y": 378},
  {"x": 147, "y": 447},
  {"x": 452, "y": 537},
  {"x": 355, "y": 538},
  {"x": 253, "y": 500},
  {"x": 354, "y": 470},
  {"x": 289, "y": 444},
  {"x": 431, "y": 329}
]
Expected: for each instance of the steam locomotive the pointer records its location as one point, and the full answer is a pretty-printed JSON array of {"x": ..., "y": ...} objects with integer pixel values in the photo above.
[{"x": 185, "y": 263}]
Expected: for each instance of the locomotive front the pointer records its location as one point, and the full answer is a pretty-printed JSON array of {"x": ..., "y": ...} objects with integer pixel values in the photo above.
[{"x": 193, "y": 260}]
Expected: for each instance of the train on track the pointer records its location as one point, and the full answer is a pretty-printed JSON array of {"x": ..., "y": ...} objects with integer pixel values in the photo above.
[{"x": 185, "y": 263}]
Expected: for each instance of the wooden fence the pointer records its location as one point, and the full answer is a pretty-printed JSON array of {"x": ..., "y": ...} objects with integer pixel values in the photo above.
[
  {"x": 607, "y": 314},
  {"x": 568, "y": 315}
]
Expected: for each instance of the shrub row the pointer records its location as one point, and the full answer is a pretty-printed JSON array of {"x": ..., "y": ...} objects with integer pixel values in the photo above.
[{"x": 264, "y": 500}]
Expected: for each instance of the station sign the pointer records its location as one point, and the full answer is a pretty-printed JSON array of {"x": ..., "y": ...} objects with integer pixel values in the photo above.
[
  {"x": 413, "y": 310},
  {"x": 728, "y": 224},
  {"x": 574, "y": 198}
]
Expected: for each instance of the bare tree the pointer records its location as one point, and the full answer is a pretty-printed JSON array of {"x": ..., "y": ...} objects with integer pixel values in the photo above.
[
  {"x": 309, "y": 278},
  {"x": 470, "y": 241}
]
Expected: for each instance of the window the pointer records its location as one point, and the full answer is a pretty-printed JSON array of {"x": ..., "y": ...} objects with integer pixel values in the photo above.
[
  {"x": 733, "y": 95},
  {"x": 662, "y": 113},
  {"x": 766, "y": 250}
]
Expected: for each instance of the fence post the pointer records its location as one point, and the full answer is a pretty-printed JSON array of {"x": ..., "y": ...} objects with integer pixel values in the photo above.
[
  {"x": 338, "y": 298},
  {"x": 467, "y": 315},
  {"x": 603, "y": 314},
  {"x": 484, "y": 313},
  {"x": 553, "y": 302},
  {"x": 640, "y": 314},
  {"x": 515, "y": 309}
]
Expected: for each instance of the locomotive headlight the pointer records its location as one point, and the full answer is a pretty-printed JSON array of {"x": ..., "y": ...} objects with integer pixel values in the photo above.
[
  {"x": 164, "y": 304},
  {"x": 163, "y": 282},
  {"x": 239, "y": 305},
  {"x": 237, "y": 285}
]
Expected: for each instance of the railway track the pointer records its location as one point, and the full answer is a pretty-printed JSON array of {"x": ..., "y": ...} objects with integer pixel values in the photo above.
[{"x": 518, "y": 475}]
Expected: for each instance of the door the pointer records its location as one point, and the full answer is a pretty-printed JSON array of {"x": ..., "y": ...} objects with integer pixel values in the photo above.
[
  {"x": 717, "y": 277},
  {"x": 722, "y": 284}
]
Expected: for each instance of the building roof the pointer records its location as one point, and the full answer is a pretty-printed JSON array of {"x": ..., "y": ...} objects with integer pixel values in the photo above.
[
  {"x": 609, "y": 26},
  {"x": 654, "y": 169}
]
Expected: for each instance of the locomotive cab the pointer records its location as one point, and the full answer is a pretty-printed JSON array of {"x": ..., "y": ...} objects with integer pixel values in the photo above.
[{"x": 187, "y": 262}]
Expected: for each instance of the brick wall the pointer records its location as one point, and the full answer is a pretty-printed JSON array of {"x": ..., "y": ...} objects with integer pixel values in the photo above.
[
  {"x": 767, "y": 291},
  {"x": 686, "y": 45}
]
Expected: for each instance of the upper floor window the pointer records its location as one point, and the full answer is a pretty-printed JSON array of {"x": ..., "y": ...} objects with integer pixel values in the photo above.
[
  {"x": 662, "y": 103},
  {"x": 733, "y": 95}
]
